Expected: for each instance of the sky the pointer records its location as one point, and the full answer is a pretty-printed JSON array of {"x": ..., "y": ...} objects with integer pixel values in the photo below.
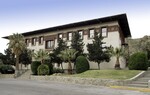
[{"x": 18, "y": 16}]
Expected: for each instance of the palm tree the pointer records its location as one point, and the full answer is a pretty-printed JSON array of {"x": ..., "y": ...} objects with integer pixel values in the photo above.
[
  {"x": 41, "y": 55},
  {"x": 17, "y": 44},
  {"x": 117, "y": 52},
  {"x": 68, "y": 55}
]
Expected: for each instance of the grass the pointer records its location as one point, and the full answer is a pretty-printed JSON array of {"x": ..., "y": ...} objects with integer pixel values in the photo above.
[{"x": 108, "y": 74}]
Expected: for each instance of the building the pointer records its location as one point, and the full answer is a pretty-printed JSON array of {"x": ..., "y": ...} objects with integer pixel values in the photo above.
[{"x": 114, "y": 29}]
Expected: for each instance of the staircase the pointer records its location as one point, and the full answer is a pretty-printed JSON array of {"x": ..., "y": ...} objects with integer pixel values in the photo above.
[
  {"x": 141, "y": 82},
  {"x": 25, "y": 76}
]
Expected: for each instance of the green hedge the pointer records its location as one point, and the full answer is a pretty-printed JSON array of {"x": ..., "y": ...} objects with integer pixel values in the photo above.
[
  {"x": 50, "y": 65},
  {"x": 58, "y": 70},
  {"x": 34, "y": 66},
  {"x": 43, "y": 70},
  {"x": 82, "y": 64},
  {"x": 7, "y": 69},
  {"x": 138, "y": 61}
]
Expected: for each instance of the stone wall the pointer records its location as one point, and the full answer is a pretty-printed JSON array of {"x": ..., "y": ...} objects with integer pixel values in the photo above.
[
  {"x": 77, "y": 80},
  {"x": 6, "y": 75}
]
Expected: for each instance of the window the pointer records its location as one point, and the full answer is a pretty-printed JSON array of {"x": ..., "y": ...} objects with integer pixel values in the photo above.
[
  {"x": 81, "y": 34},
  {"x": 69, "y": 36},
  {"x": 49, "y": 44},
  {"x": 33, "y": 41},
  {"x": 27, "y": 42},
  {"x": 104, "y": 31},
  {"x": 91, "y": 33},
  {"x": 60, "y": 36},
  {"x": 41, "y": 39}
]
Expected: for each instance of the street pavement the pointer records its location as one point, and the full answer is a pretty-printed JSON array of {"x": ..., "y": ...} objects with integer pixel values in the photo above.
[{"x": 29, "y": 87}]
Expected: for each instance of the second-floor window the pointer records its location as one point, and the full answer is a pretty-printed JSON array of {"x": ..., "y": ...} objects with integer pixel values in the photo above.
[
  {"x": 104, "y": 31},
  {"x": 49, "y": 44},
  {"x": 69, "y": 36},
  {"x": 91, "y": 33},
  {"x": 41, "y": 39},
  {"x": 27, "y": 41},
  {"x": 60, "y": 36},
  {"x": 33, "y": 41},
  {"x": 81, "y": 34}
]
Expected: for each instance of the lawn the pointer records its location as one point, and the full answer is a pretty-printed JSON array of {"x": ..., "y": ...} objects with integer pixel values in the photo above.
[{"x": 108, "y": 74}]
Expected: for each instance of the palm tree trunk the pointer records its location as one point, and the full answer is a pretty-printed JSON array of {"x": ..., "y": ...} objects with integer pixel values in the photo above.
[
  {"x": 62, "y": 66},
  {"x": 99, "y": 66},
  {"x": 21, "y": 65},
  {"x": 69, "y": 67},
  {"x": 17, "y": 67},
  {"x": 17, "y": 62},
  {"x": 117, "y": 65}
]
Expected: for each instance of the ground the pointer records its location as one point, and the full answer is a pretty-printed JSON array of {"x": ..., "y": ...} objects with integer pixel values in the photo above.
[{"x": 28, "y": 87}]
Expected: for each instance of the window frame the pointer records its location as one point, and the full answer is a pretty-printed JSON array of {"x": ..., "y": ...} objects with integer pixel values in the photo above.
[
  {"x": 51, "y": 46},
  {"x": 89, "y": 36},
  {"x": 33, "y": 42},
  {"x": 27, "y": 42},
  {"x": 106, "y": 32},
  {"x": 69, "y": 36},
  {"x": 41, "y": 42},
  {"x": 81, "y": 36},
  {"x": 59, "y": 36}
]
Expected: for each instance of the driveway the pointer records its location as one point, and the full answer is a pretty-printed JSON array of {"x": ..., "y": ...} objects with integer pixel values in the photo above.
[{"x": 28, "y": 87}]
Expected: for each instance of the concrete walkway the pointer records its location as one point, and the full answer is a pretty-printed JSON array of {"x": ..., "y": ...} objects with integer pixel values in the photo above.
[{"x": 28, "y": 87}]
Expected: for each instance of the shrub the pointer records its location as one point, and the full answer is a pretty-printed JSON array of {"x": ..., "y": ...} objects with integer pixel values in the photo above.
[
  {"x": 50, "y": 65},
  {"x": 7, "y": 69},
  {"x": 82, "y": 64},
  {"x": 58, "y": 70},
  {"x": 138, "y": 61},
  {"x": 34, "y": 66},
  {"x": 43, "y": 70}
]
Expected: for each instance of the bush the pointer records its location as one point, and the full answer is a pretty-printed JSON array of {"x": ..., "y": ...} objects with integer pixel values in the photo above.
[
  {"x": 138, "y": 61},
  {"x": 50, "y": 65},
  {"x": 34, "y": 66},
  {"x": 43, "y": 70},
  {"x": 82, "y": 64},
  {"x": 7, "y": 69},
  {"x": 58, "y": 70}
]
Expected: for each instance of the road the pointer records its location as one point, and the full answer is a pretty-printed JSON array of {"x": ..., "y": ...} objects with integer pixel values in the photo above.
[{"x": 28, "y": 87}]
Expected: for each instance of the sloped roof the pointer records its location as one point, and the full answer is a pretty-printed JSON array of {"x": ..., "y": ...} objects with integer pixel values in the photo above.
[{"x": 121, "y": 18}]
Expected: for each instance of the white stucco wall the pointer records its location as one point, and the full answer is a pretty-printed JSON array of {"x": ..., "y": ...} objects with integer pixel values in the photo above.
[{"x": 113, "y": 39}]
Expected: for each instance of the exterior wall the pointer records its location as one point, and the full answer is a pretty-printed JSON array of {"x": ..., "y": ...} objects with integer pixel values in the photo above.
[{"x": 114, "y": 38}]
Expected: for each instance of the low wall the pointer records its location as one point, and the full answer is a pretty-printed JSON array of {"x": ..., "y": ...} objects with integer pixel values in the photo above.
[
  {"x": 76, "y": 80},
  {"x": 6, "y": 75}
]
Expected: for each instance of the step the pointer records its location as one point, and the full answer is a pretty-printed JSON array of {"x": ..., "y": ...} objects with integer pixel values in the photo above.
[
  {"x": 147, "y": 75},
  {"x": 138, "y": 85},
  {"x": 140, "y": 82},
  {"x": 144, "y": 79}
]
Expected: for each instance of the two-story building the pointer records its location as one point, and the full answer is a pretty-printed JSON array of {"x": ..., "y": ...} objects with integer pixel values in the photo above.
[{"x": 114, "y": 29}]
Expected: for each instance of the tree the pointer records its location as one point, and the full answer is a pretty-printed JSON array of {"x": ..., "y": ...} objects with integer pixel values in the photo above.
[
  {"x": 67, "y": 55},
  {"x": 97, "y": 52},
  {"x": 144, "y": 45},
  {"x": 41, "y": 55},
  {"x": 77, "y": 43},
  {"x": 54, "y": 56},
  {"x": 26, "y": 57},
  {"x": 117, "y": 52},
  {"x": 8, "y": 58},
  {"x": 17, "y": 45}
]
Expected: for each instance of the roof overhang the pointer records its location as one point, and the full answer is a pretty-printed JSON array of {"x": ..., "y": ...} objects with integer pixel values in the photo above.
[{"x": 121, "y": 18}]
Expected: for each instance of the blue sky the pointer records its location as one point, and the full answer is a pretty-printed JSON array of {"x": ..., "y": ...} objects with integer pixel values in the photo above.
[{"x": 27, "y": 15}]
